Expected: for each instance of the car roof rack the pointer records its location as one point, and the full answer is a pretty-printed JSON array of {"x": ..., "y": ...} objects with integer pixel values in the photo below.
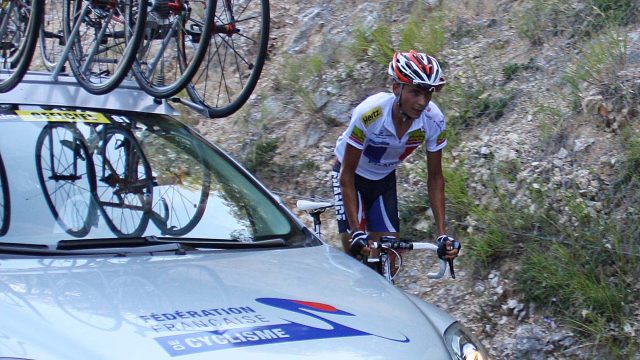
[{"x": 40, "y": 88}]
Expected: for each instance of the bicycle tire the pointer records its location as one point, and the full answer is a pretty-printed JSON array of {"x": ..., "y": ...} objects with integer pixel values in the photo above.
[
  {"x": 67, "y": 147},
  {"x": 51, "y": 38},
  {"x": 23, "y": 17},
  {"x": 235, "y": 57},
  {"x": 5, "y": 205},
  {"x": 174, "y": 45},
  {"x": 106, "y": 40},
  {"x": 183, "y": 212},
  {"x": 124, "y": 184}
]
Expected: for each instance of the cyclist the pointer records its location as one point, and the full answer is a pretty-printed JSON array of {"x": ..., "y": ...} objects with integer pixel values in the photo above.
[{"x": 384, "y": 129}]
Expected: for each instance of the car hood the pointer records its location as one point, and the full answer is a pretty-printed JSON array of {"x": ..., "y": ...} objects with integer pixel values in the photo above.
[{"x": 274, "y": 304}]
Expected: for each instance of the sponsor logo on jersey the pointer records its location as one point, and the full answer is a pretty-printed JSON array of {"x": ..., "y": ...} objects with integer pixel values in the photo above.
[
  {"x": 371, "y": 116},
  {"x": 357, "y": 135},
  {"x": 416, "y": 137},
  {"x": 442, "y": 137}
]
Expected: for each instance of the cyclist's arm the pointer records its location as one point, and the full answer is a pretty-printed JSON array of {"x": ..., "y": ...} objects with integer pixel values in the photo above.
[
  {"x": 348, "y": 184},
  {"x": 435, "y": 185}
]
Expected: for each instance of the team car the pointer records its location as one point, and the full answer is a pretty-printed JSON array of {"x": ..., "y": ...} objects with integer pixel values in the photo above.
[{"x": 124, "y": 234}]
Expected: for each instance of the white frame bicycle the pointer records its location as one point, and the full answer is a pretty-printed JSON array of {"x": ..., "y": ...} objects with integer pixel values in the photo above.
[{"x": 387, "y": 244}]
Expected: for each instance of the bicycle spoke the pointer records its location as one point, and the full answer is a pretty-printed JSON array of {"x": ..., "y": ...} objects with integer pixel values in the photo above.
[
  {"x": 124, "y": 184},
  {"x": 19, "y": 21},
  {"x": 104, "y": 38},
  {"x": 235, "y": 57},
  {"x": 64, "y": 172},
  {"x": 174, "y": 45}
]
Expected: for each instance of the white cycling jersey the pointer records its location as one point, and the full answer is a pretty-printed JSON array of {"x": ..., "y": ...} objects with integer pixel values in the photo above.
[{"x": 371, "y": 130}]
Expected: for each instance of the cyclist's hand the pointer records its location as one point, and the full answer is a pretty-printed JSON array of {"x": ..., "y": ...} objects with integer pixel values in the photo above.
[
  {"x": 452, "y": 246},
  {"x": 359, "y": 243}
]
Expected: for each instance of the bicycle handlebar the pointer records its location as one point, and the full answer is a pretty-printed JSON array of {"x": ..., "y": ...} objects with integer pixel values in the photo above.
[
  {"x": 395, "y": 244},
  {"x": 316, "y": 207}
]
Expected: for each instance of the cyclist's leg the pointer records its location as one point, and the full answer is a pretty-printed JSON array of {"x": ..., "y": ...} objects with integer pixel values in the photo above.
[{"x": 382, "y": 215}]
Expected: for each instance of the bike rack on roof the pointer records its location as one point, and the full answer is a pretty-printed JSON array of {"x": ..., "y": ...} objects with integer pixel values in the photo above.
[{"x": 39, "y": 88}]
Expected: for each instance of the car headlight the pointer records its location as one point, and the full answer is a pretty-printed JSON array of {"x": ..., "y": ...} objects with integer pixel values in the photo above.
[{"x": 463, "y": 345}]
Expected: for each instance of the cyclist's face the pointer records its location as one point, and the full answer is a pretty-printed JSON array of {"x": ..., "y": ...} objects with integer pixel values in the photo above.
[{"x": 414, "y": 99}]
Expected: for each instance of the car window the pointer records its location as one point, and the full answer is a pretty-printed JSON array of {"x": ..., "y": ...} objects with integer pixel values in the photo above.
[{"x": 80, "y": 174}]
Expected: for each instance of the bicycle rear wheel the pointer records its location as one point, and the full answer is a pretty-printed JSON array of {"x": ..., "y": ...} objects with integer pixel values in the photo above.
[
  {"x": 235, "y": 57},
  {"x": 181, "y": 186},
  {"x": 176, "y": 37},
  {"x": 66, "y": 176},
  {"x": 105, "y": 36},
  {"x": 124, "y": 184},
  {"x": 19, "y": 21},
  {"x": 52, "y": 33}
]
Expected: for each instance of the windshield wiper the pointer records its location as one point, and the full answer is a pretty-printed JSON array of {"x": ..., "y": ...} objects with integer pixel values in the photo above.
[
  {"x": 224, "y": 244},
  {"x": 120, "y": 246},
  {"x": 146, "y": 243},
  {"x": 82, "y": 249},
  {"x": 123, "y": 246}
]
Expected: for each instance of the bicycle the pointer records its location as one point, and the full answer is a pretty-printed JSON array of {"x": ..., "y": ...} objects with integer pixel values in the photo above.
[
  {"x": 19, "y": 22},
  {"x": 388, "y": 247},
  {"x": 101, "y": 39},
  {"x": 109, "y": 170}
]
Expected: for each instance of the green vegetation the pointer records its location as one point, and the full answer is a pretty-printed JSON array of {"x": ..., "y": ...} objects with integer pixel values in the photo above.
[
  {"x": 423, "y": 32},
  {"x": 301, "y": 78},
  {"x": 552, "y": 127},
  {"x": 261, "y": 154},
  {"x": 578, "y": 254},
  {"x": 539, "y": 20},
  {"x": 373, "y": 43},
  {"x": 469, "y": 107},
  {"x": 510, "y": 70},
  {"x": 599, "y": 67}
]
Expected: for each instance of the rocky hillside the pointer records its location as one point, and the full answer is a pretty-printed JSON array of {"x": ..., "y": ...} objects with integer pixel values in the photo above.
[{"x": 539, "y": 139}]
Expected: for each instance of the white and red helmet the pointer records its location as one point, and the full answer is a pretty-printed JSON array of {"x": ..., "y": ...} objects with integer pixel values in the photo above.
[{"x": 416, "y": 68}]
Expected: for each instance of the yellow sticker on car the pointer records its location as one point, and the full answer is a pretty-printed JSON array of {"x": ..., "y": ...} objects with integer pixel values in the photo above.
[{"x": 62, "y": 116}]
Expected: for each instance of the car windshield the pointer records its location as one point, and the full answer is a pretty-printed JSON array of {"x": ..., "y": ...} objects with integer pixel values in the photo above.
[{"x": 73, "y": 174}]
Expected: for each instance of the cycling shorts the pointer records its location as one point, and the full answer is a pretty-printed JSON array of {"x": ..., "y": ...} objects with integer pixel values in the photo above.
[{"x": 377, "y": 203}]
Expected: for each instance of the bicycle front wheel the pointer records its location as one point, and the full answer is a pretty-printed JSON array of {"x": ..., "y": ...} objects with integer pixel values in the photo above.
[
  {"x": 105, "y": 36},
  {"x": 52, "y": 34},
  {"x": 176, "y": 37},
  {"x": 235, "y": 57},
  {"x": 19, "y": 21}
]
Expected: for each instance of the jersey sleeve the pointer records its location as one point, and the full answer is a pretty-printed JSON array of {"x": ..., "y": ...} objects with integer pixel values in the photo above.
[
  {"x": 436, "y": 131},
  {"x": 357, "y": 132}
]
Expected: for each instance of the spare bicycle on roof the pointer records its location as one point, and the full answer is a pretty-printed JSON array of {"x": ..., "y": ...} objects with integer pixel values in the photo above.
[{"x": 206, "y": 54}]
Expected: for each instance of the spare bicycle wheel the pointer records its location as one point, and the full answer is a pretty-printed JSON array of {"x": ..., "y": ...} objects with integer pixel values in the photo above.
[
  {"x": 19, "y": 22},
  {"x": 177, "y": 34},
  {"x": 234, "y": 59},
  {"x": 105, "y": 37}
]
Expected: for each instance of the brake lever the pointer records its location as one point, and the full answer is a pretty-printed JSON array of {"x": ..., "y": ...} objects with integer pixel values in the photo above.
[{"x": 443, "y": 247}]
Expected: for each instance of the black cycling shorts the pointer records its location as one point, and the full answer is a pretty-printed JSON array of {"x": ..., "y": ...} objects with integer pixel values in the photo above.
[{"x": 378, "y": 198}]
